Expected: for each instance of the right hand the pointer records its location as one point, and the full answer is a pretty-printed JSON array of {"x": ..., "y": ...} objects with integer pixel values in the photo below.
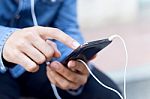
[{"x": 29, "y": 47}]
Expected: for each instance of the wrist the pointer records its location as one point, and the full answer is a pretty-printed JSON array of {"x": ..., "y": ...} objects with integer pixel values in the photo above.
[{"x": 5, "y": 34}]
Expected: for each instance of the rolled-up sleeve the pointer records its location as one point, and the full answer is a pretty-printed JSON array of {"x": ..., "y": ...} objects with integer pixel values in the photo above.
[
  {"x": 67, "y": 21},
  {"x": 5, "y": 32}
]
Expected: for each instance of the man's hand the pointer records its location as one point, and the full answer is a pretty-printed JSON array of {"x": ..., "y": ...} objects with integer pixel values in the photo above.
[
  {"x": 29, "y": 47},
  {"x": 67, "y": 78}
]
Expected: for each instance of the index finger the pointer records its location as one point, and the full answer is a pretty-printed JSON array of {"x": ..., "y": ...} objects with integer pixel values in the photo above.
[{"x": 57, "y": 34}]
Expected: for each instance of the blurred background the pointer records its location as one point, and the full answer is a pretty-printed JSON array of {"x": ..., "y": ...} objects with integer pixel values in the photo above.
[{"x": 130, "y": 19}]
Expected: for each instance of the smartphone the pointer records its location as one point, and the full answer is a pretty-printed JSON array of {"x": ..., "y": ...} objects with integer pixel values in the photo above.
[{"x": 87, "y": 51}]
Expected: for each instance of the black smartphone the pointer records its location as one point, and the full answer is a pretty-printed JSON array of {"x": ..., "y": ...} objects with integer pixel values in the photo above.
[{"x": 87, "y": 51}]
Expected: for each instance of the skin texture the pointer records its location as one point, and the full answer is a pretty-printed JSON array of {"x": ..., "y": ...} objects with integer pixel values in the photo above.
[{"x": 29, "y": 47}]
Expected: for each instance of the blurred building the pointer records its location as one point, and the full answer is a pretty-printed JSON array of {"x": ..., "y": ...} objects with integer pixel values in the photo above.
[{"x": 100, "y": 12}]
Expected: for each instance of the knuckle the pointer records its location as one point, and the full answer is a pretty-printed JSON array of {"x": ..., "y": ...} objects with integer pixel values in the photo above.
[
  {"x": 41, "y": 60},
  {"x": 30, "y": 35},
  {"x": 65, "y": 86},
  {"x": 84, "y": 81},
  {"x": 36, "y": 27},
  {"x": 60, "y": 35},
  {"x": 56, "y": 29},
  {"x": 49, "y": 53},
  {"x": 21, "y": 44},
  {"x": 31, "y": 68},
  {"x": 74, "y": 87}
]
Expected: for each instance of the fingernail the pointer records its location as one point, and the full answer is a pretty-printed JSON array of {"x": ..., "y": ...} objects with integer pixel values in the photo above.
[
  {"x": 75, "y": 44},
  {"x": 58, "y": 54},
  {"x": 71, "y": 64}
]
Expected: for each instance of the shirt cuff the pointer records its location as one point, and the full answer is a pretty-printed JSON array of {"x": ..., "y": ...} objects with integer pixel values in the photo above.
[{"x": 5, "y": 32}]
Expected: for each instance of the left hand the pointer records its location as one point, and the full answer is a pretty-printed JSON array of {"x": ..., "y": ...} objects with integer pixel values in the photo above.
[{"x": 67, "y": 78}]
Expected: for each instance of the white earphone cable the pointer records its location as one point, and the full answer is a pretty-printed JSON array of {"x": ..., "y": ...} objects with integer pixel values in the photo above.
[
  {"x": 33, "y": 14},
  {"x": 36, "y": 24},
  {"x": 55, "y": 91},
  {"x": 126, "y": 62}
]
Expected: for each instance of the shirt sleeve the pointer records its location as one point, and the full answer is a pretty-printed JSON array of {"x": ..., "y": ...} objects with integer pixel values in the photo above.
[
  {"x": 5, "y": 32},
  {"x": 66, "y": 20}
]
